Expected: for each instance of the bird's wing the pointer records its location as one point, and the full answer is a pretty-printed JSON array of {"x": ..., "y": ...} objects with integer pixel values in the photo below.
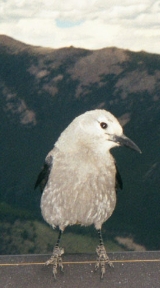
[
  {"x": 119, "y": 183},
  {"x": 44, "y": 174}
]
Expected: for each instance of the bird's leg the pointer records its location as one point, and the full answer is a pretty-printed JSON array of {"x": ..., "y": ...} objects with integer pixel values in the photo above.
[
  {"x": 56, "y": 258},
  {"x": 102, "y": 256}
]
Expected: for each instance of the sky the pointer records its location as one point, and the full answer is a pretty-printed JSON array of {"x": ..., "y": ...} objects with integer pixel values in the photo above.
[{"x": 90, "y": 24}]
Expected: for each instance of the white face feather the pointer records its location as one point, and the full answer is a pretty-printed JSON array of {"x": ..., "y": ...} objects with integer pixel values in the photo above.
[
  {"x": 89, "y": 130},
  {"x": 92, "y": 122}
]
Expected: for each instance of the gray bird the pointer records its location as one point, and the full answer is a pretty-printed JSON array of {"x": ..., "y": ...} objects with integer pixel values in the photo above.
[{"x": 79, "y": 178}]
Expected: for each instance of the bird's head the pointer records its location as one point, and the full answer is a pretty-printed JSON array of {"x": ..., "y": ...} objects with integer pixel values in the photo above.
[
  {"x": 98, "y": 130},
  {"x": 103, "y": 129}
]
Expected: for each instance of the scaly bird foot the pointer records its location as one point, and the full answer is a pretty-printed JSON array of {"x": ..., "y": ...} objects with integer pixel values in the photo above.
[
  {"x": 102, "y": 259},
  {"x": 56, "y": 260}
]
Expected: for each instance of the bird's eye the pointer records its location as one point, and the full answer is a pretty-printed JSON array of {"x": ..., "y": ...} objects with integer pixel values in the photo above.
[{"x": 103, "y": 125}]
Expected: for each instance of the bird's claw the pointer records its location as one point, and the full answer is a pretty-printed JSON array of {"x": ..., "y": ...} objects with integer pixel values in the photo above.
[
  {"x": 56, "y": 260},
  {"x": 102, "y": 259}
]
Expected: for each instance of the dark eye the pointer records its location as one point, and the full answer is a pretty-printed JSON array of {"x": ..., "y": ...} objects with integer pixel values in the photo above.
[{"x": 103, "y": 125}]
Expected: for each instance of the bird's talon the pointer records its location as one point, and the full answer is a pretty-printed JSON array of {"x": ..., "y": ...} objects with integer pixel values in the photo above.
[
  {"x": 102, "y": 274},
  {"x": 102, "y": 260},
  {"x": 54, "y": 274},
  {"x": 60, "y": 264},
  {"x": 96, "y": 266},
  {"x": 54, "y": 271},
  {"x": 61, "y": 267},
  {"x": 56, "y": 260},
  {"x": 110, "y": 264},
  {"x": 50, "y": 261}
]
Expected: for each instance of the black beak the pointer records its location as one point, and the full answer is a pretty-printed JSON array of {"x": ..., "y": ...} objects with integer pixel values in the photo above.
[{"x": 125, "y": 141}]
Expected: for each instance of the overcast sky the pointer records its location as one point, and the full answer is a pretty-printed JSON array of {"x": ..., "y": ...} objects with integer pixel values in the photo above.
[{"x": 91, "y": 24}]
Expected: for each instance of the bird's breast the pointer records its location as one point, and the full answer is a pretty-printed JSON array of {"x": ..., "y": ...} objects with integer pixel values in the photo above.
[{"x": 79, "y": 193}]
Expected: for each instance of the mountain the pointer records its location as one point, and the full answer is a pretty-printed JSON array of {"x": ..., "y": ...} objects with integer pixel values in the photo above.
[{"x": 42, "y": 90}]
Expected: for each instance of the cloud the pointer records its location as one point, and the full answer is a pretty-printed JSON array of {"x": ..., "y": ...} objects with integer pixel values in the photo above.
[{"x": 89, "y": 24}]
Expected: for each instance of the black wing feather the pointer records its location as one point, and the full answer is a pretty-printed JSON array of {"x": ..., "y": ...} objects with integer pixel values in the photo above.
[
  {"x": 119, "y": 183},
  {"x": 44, "y": 174}
]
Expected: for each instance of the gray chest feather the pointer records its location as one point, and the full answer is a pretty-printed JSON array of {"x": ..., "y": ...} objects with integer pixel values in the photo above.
[{"x": 84, "y": 195}]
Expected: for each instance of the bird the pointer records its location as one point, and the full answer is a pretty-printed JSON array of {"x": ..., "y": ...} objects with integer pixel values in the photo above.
[{"x": 79, "y": 179}]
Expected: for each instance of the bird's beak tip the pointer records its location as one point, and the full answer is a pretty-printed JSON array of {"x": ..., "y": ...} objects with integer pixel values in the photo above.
[{"x": 125, "y": 141}]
